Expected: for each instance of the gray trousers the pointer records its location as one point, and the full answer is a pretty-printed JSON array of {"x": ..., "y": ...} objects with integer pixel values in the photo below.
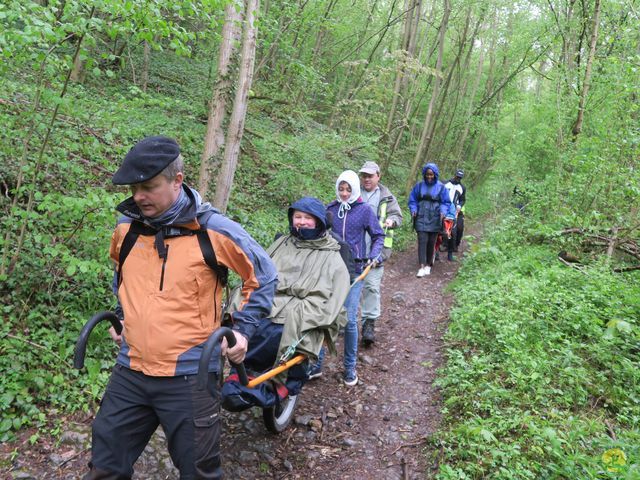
[{"x": 370, "y": 300}]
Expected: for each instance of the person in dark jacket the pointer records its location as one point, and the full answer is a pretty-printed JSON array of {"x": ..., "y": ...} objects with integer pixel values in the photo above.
[
  {"x": 170, "y": 298},
  {"x": 457, "y": 194},
  {"x": 353, "y": 219},
  {"x": 429, "y": 203}
]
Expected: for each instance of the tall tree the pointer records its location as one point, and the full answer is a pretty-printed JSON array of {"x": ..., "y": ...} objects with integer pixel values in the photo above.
[
  {"x": 426, "y": 128},
  {"x": 577, "y": 126},
  {"x": 214, "y": 138},
  {"x": 406, "y": 52},
  {"x": 227, "y": 171}
]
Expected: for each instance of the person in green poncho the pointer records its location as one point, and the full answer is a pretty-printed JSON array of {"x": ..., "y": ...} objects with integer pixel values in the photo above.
[
  {"x": 313, "y": 280},
  {"x": 313, "y": 283}
]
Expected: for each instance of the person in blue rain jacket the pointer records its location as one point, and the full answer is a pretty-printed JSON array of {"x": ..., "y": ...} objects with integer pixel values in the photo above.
[{"x": 428, "y": 202}]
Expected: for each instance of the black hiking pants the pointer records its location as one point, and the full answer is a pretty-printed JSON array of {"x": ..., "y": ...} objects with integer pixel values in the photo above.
[
  {"x": 459, "y": 229},
  {"x": 426, "y": 246},
  {"x": 133, "y": 406},
  {"x": 451, "y": 242}
]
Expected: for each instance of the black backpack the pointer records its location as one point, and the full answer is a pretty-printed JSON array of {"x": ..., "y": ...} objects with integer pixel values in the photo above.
[
  {"x": 347, "y": 256},
  {"x": 138, "y": 228}
]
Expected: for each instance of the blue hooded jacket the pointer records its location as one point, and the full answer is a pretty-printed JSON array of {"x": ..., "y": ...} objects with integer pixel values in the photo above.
[{"x": 428, "y": 201}]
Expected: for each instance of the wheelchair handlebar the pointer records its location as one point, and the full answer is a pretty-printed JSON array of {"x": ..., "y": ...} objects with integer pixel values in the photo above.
[
  {"x": 203, "y": 368},
  {"x": 207, "y": 351},
  {"x": 81, "y": 344}
]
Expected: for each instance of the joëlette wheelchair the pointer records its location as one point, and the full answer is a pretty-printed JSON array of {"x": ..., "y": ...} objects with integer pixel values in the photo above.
[{"x": 278, "y": 402}]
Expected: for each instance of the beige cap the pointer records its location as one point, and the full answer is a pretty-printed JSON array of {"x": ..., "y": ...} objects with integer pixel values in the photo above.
[{"x": 370, "y": 167}]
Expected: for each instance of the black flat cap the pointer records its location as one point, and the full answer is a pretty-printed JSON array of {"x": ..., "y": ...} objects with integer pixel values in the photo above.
[{"x": 146, "y": 159}]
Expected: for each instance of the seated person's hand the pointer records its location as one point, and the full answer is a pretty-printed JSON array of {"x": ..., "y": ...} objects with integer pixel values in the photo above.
[
  {"x": 237, "y": 353},
  {"x": 388, "y": 223}
]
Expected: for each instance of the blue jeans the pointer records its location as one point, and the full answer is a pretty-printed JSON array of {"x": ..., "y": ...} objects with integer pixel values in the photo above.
[{"x": 351, "y": 304}]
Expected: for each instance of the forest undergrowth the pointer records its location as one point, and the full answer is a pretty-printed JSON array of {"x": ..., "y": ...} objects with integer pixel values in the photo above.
[
  {"x": 542, "y": 376},
  {"x": 537, "y": 101}
]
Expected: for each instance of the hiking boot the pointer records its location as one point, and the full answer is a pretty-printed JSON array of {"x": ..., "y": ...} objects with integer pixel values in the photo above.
[
  {"x": 350, "y": 378},
  {"x": 315, "y": 372},
  {"x": 437, "y": 256},
  {"x": 368, "y": 333},
  {"x": 450, "y": 257}
]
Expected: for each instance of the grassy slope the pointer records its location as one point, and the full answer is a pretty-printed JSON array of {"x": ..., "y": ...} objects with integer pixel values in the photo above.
[{"x": 542, "y": 379}]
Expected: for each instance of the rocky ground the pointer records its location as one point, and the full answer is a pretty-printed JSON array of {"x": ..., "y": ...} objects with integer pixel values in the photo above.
[{"x": 378, "y": 429}]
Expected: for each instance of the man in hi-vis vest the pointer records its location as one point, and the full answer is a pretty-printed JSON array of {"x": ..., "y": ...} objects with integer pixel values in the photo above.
[{"x": 390, "y": 216}]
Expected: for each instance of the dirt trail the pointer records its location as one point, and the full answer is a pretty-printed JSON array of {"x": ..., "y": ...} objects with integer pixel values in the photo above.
[{"x": 378, "y": 429}]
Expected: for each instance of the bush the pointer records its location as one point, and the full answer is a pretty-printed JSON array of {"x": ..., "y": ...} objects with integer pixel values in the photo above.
[{"x": 542, "y": 367}]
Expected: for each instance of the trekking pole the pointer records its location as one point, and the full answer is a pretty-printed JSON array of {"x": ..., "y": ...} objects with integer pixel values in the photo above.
[{"x": 365, "y": 272}]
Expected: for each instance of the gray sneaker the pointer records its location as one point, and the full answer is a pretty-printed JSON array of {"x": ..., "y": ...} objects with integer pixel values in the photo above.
[
  {"x": 315, "y": 372},
  {"x": 350, "y": 379}
]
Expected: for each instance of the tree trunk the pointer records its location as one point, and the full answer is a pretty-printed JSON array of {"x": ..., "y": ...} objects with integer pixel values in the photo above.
[
  {"x": 445, "y": 90},
  {"x": 424, "y": 140},
  {"x": 77, "y": 73},
  {"x": 577, "y": 127},
  {"x": 224, "y": 181},
  {"x": 409, "y": 91},
  {"x": 146, "y": 56},
  {"x": 401, "y": 66},
  {"x": 214, "y": 138},
  {"x": 472, "y": 95}
]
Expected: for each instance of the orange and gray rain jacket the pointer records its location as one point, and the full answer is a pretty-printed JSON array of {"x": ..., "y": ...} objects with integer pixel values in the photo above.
[{"x": 172, "y": 303}]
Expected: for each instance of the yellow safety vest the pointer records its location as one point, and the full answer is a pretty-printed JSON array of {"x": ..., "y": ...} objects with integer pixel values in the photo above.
[{"x": 388, "y": 239}]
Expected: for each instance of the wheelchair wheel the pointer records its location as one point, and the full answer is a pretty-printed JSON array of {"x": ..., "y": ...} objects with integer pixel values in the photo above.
[{"x": 278, "y": 418}]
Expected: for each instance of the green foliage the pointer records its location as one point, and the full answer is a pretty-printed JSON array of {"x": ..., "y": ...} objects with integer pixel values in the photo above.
[
  {"x": 542, "y": 365},
  {"x": 38, "y": 377},
  {"x": 63, "y": 273}
]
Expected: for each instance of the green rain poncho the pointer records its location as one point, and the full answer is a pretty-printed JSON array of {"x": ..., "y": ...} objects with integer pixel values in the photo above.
[{"x": 313, "y": 283}]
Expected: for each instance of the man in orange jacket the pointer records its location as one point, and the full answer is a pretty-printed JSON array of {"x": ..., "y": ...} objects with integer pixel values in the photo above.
[{"x": 170, "y": 295}]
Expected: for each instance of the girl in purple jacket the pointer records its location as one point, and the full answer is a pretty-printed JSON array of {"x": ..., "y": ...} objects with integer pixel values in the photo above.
[{"x": 352, "y": 218}]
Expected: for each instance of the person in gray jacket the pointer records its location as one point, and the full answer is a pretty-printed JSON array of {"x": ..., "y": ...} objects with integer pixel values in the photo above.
[{"x": 389, "y": 214}]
